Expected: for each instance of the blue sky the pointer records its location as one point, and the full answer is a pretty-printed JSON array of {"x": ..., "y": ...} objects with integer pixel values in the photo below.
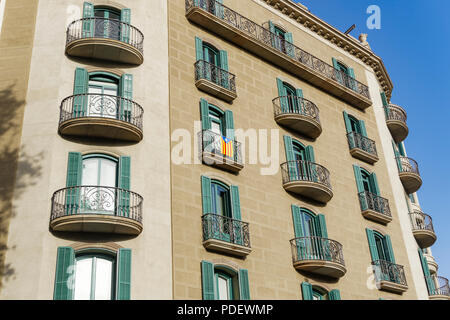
[{"x": 414, "y": 43}]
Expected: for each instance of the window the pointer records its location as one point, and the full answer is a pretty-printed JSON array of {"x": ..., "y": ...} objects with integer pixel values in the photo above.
[
  {"x": 220, "y": 199},
  {"x": 313, "y": 292},
  {"x": 380, "y": 246},
  {"x": 427, "y": 274},
  {"x": 223, "y": 283},
  {"x": 212, "y": 63},
  {"x": 102, "y": 94},
  {"x": 92, "y": 274},
  {"x": 344, "y": 74},
  {"x": 94, "y": 277},
  {"x": 290, "y": 98},
  {"x": 106, "y": 22},
  {"x": 365, "y": 181},
  {"x": 411, "y": 197},
  {"x": 300, "y": 160},
  {"x": 353, "y": 125},
  {"x": 281, "y": 39},
  {"x": 92, "y": 184}
]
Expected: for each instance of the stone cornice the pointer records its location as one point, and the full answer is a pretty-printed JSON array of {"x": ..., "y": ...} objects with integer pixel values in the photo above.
[{"x": 301, "y": 15}]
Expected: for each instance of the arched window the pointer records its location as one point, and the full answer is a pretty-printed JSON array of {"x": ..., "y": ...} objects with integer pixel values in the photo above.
[
  {"x": 319, "y": 293},
  {"x": 103, "y": 89},
  {"x": 226, "y": 284},
  {"x": 94, "y": 276},
  {"x": 355, "y": 124},
  {"x": 299, "y": 151},
  {"x": 211, "y": 54},
  {"x": 221, "y": 198},
  {"x": 314, "y": 292},
  {"x": 217, "y": 117},
  {"x": 99, "y": 170},
  {"x": 382, "y": 247}
]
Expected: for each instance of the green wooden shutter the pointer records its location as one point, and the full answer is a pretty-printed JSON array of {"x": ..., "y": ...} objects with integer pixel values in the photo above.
[
  {"x": 207, "y": 280},
  {"x": 360, "y": 186},
  {"x": 389, "y": 248},
  {"x": 290, "y": 158},
  {"x": 126, "y": 91},
  {"x": 385, "y": 103},
  {"x": 362, "y": 126},
  {"x": 282, "y": 94},
  {"x": 337, "y": 70},
  {"x": 309, "y": 152},
  {"x": 290, "y": 49},
  {"x": 80, "y": 89},
  {"x": 351, "y": 74},
  {"x": 298, "y": 221},
  {"x": 374, "y": 181},
  {"x": 224, "y": 66},
  {"x": 372, "y": 244},
  {"x": 73, "y": 182},
  {"x": 303, "y": 245},
  {"x": 204, "y": 110},
  {"x": 88, "y": 24},
  {"x": 322, "y": 244},
  {"x": 334, "y": 295},
  {"x": 311, "y": 167},
  {"x": 206, "y": 195},
  {"x": 244, "y": 288},
  {"x": 65, "y": 274},
  {"x": 321, "y": 226},
  {"x": 426, "y": 272},
  {"x": 307, "y": 291},
  {"x": 299, "y": 102},
  {"x": 348, "y": 124},
  {"x": 236, "y": 203},
  {"x": 198, "y": 49},
  {"x": 397, "y": 156},
  {"x": 401, "y": 149},
  {"x": 229, "y": 124},
  {"x": 125, "y": 18},
  {"x": 124, "y": 185},
  {"x": 219, "y": 9},
  {"x": 124, "y": 274}
]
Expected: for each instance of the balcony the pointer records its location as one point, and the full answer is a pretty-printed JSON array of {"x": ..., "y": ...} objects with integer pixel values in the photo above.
[
  {"x": 409, "y": 174},
  {"x": 374, "y": 207},
  {"x": 226, "y": 235},
  {"x": 362, "y": 148},
  {"x": 318, "y": 255},
  {"x": 396, "y": 122},
  {"x": 101, "y": 116},
  {"x": 215, "y": 81},
  {"x": 96, "y": 209},
  {"x": 221, "y": 153},
  {"x": 105, "y": 39},
  {"x": 260, "y": 41},
  {"x": 432, "y": 264},
  {"x": 389, "y": 276},
  {"x": 422, "y": 227},
  {"x": 298, "y": 114},
  {"x": 441, "y": 290},
  {"x": 308, "y": 179}
]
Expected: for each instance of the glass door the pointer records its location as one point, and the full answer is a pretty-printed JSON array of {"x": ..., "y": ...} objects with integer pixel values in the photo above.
[
  {"x": 222, "y": 206},
  {"x": 211, "y": 56},
  {"x": 108, "y": 24},
  {"x": 102, "y": 99}
]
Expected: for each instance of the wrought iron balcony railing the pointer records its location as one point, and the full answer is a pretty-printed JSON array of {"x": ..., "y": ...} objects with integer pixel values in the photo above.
[
  {"x": 357, "y": 140},
  {"x": 86, "y": 200},
  {"x": 295, "y": 105},
  {"x": 101, "y": 106},
  {"x": 219, "y": 145},
  {"x": 316, "y": 248},
  {"x": 300, "y": 170},
  {"x": 421, "y": 221},
  {"x": 371, "y": 201},
  {"x": 388, "y": 271},
  {"x": 406, "y": 164},
  {"x": 394, "y": 112},
  {"x": 439, "y": 285},
  {"x": 107, "y": 29},
  {"x": 268, "y": 38},
  {"x": 226, "y": 229},
  {"x": 211, "y": 72}
]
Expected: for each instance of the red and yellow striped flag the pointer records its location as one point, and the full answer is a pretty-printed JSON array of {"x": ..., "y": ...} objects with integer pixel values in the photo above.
[{"x": 227, "y": 147}]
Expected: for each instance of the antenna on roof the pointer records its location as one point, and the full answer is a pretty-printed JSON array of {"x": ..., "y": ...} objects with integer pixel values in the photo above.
[{"x": 350, "y": 29}]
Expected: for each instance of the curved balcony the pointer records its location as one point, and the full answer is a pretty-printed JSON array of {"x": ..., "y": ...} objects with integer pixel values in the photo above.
[
  {"x": 96, "y": 209},
  {"x": 215, "y": 81},
  {"x": 432, "y": 264},
  {"x": 374, "y": 207},
  {"x": 396, "y": 122},
  {"x": 362, "y": 147},
  {"x": 318, "y": 255},
  {"x": 245, "y": 33},
  {"x": 105, "y": 39},
  {"x": 221, "y": 153},
  {"x": 226, "y": 235},
  {"x": 101, "y": 116},
  {"x": 308, "y": 179},
  {"x": 298, "y": 114},
  {"x": 409, "y": 174},
  {"x": 422, "y": 227},
  {"x": 441, "y": 290},
  {"x": 389, "y": 276}
]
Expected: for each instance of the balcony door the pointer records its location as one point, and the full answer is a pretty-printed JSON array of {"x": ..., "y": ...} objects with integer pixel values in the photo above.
[
  {"x": 107, "y": 24},
  {"x": 292, "y": 99},
  {"x": 300, "y": 158},
  {"x": 94, "y": 277},
  {"x": 99, "y": 181},
  {"x": 224, "y": 285},
  {"x": 212, "y": 63},
  {"x": 221, "y": 206},
  {"x": 103, "y": 92}
]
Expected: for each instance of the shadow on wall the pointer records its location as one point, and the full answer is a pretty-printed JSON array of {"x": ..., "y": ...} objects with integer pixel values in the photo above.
[{"x": 11, "y": 115}]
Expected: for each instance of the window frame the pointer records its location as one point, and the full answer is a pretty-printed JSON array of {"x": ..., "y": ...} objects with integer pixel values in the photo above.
[{"x": 227, "y": 199}]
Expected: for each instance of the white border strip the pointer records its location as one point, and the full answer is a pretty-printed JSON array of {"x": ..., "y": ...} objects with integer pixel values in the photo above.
[{"x": 2, "y": 10}]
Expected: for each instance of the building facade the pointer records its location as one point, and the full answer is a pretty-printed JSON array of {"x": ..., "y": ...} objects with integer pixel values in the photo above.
[{"x": 203, "y": 149}]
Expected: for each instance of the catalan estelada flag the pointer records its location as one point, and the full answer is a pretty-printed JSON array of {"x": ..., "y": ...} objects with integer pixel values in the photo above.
[{"x": 227, "y": 147}]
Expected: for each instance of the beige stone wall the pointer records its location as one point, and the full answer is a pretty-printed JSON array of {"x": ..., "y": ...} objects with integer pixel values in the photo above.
[
  {"x": 16, "y": 43},
  {"x": 264, "y": 203},
  {"x": 32, "y": 247}
]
